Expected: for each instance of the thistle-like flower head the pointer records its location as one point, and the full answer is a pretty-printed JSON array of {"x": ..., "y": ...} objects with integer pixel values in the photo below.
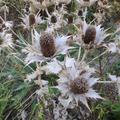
[
  {"x": 93, "y": 34},
  {"x": 29, "y": 20},
  {"x": 45, "y": 46},
  {"x": 6, "y": 40},
  {"x": 75, "y": 83}
]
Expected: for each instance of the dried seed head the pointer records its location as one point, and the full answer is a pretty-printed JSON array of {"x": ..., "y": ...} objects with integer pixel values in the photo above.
[
  {"x": 80, "y": 13},
  {"x": 53, "y": 19},
  {"x": 32, "y": 19},
  {"x": 47, "y": 43},
  {"x": 79, "y": 86},
  {"x": 90, "y": 35},
  {"x": 70, "y": 19}
]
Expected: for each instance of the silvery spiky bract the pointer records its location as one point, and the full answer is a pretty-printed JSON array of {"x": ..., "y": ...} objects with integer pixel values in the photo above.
[{"x": 6, "y": 40}]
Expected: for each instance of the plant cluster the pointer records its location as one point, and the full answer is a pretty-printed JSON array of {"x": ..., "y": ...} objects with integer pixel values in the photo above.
[{"x": 62, "y": 51}]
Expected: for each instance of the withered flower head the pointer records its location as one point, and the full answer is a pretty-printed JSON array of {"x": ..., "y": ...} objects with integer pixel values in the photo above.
[
  {"x": 79, "y": 86},
  {"x": 47, "y": 43},
  {"x": 76, "y": 83},
  {"x": 94, "y": 34},
  {"x": 32, "y": 19},
  {"x": 45, "y": 47},
  {"x": 29, "y": 20},
  {"x": 80, "y": 13},
  {"x": 53, "y": 19},
  {"x": 70, "y": 19},
  {"x": 90, "y": 35}
]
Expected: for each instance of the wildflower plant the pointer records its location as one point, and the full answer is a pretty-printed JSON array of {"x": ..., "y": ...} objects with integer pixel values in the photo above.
[{"x": 63, "y": 46}]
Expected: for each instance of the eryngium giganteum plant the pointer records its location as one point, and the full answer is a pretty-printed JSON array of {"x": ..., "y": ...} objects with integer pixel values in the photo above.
[{"x": 68, "y": 49}]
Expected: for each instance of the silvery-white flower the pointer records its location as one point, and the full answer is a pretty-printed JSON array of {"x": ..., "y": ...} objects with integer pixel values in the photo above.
[
  {"x": 6, "y": 40},
  {"x": 30, "y": 20},
  {"x": 93, "y": 34},
  {"x": 56, "y": 19},
  {"x": 86, "y": 2},
  {"x": 75, "y": 84},
  {"x": 45, "y": 47}
]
